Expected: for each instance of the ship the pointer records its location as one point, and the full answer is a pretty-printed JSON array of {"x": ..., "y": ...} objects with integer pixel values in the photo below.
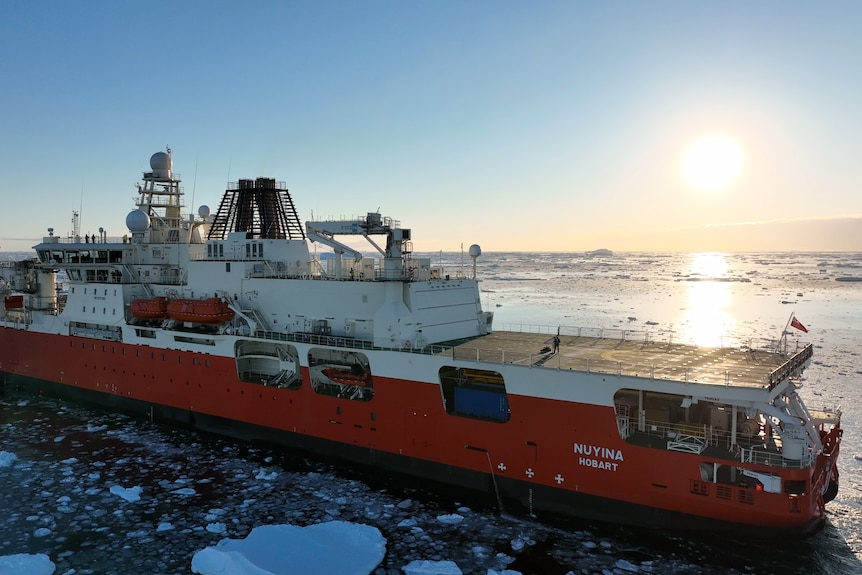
[{"x": 228, "y": 322}]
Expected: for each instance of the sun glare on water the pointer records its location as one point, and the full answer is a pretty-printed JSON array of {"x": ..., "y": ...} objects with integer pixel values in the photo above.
[
  {"x": 706, "y": 319},
  {"x": 711, "y": 163}
]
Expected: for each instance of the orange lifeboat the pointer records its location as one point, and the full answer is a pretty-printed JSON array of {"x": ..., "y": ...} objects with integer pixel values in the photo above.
[
  {"x": 14, "y": 302},
  {"x": 154, "y": 308},
  {"x": 212, "y": 310},
  {"x": 354, "y": 376}
]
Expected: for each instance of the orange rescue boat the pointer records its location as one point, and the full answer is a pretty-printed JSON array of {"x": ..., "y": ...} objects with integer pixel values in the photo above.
[
  {"x": 212, "y": 310},
  {"x": 153, "y": 308},
  {"x": 356, "y": 375}
]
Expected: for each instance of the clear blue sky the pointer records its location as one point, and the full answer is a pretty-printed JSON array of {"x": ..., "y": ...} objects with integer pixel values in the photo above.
[{"x": 516, "y": 125}]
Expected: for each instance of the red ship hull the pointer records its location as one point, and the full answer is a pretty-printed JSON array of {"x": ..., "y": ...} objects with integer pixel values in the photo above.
[{"x": 530, "y": 466}]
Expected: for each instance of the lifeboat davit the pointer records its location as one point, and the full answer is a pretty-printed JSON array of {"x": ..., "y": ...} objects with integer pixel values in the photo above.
[
  {"x": 212, "y": 310},
  {"x": 153, "y": 308},
  {"x": 353, "y": 376}
]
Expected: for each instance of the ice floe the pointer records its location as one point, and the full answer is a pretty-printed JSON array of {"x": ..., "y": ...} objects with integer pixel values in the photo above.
[
  {"x": 332, "y": 547},
  {"x": 24, "y": 564},
  {"x": 7, "y": 458},
  {"x": 130, "y": 494}
]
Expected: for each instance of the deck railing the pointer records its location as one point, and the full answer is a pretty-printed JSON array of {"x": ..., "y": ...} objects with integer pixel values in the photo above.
[
  {"x": 796, "y": 361},
  {"x": 699, "y": 438},
  {"x": 544, "y": 360}
]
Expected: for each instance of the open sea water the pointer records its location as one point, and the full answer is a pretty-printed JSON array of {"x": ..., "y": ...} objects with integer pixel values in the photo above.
[{"x": 58, "y": 462}]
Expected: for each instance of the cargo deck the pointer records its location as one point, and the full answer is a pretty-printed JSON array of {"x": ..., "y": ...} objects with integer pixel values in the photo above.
[{"x": 741, "y": 366}]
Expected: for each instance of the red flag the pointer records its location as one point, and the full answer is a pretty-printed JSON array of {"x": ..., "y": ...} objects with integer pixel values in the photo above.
[{"x": 798, "y": 325}]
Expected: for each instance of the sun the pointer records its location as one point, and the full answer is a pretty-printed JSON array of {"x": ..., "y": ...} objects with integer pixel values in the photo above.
[{"x": 711, "y": 163}]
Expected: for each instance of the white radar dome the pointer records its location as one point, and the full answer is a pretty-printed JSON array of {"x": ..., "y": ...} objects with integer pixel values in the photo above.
[
  {"x": 204, "y": 212},
  {"x": 137, "y": 221},
  {"x": 161, "y": 164},
  {"x": 475, "y": 251}
]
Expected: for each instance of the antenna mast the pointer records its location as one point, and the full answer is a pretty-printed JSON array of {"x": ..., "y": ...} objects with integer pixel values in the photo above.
[{"x": 76, "y": 225}]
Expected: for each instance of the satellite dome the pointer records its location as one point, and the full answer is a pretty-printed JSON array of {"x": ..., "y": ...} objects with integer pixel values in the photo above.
[
  {"x": 475, "y": 251},
  {"x": 137, "y": 221},
  {"x": 161, "y": 164},
  {"x": 204, "y": 212}
]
